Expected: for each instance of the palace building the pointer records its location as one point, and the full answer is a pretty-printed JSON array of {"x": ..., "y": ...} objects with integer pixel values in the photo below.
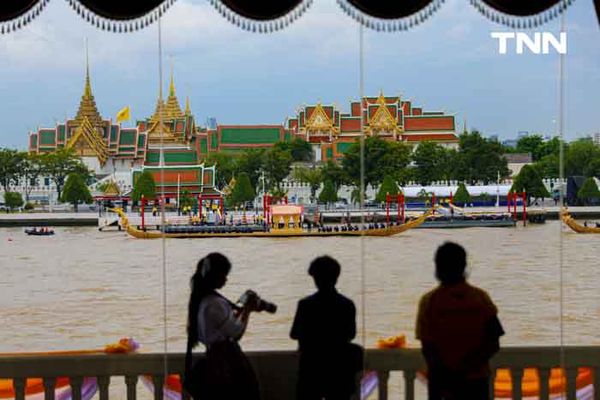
[
  {"x": 173, "y": 148},
  {"x": 332, "y": 131}
]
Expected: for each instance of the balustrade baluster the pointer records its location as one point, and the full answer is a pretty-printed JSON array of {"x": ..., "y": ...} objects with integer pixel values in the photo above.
[
  {"x": 544, "y": 376},
  {"x": 103, "y": 382},
  {"x": 409, "y": 384},
  {"x": 382, "y": 384},
  {"x": 517, "y": 381},
  {"x": 19, "y": 386},
  {"x": 49, "y": 387},
  {"x": 596, "y": 373},
  {"x": 159, "y": 383},
  {"x": 76, "y": 382},
  {"x": 131, "y": 382},
  {"x": 572, "y": 383}
]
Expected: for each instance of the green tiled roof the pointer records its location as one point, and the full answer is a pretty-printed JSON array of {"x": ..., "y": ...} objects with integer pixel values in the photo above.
[
  {"x": 61, "y": 133},
  {"x": 141, "y": 139},
  {"x": 203, "y": 146},
  {"x": 249, "y": 135},
  {"x": 113, "y": 133},
  {"x": 329, "y": 152},
  {"x": 342, "y": 147},
  {"x": 127, "y": 137},
  {"x": 172, "y": 157},
  {"x": 213, "y": 141},
  {"x": 47, "y": 137}
]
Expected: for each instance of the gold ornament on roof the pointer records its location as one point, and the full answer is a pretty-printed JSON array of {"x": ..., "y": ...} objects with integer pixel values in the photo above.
[
  {"x": 319, "y": 121},
  {"x": 87, "y": 105},
  {"x": 382, "y": 121},
  {"x": 87, "y": 142}
]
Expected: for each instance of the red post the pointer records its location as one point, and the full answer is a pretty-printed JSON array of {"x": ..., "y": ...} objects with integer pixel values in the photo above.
[
  {"x": 387, "y": 208},
  {"x": 515, "y": 197},
  {"x": 433, "y": 202},
  {"x": 524, "y": 208},
  {"x": 508, "y": 200},
  {"x": 265, "y": 208},
  {"x": 451, "y": 198},
  {"x": 143, "y": 220},
  {"x": 398, "y": 196},
  {"x": 200, "y": 207},
  {"x": 403, "y": 207}
]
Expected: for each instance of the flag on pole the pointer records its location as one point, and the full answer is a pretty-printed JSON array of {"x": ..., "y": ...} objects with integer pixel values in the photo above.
[{"x": 123, "y": 115}]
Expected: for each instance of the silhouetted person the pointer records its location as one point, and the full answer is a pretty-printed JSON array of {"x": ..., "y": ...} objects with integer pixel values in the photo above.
[
  {"x": 218, "y": 324},
  {"x": 459, "y": 331},
  {"x": 324, "y": 325}
]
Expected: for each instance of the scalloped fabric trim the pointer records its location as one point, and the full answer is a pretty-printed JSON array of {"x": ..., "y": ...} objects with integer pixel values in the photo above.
[
  {"x": 120, "y": 26},
  {"x": 252, "y": 25},
  {"x": 521, "y": 22},
  {"x": 19, "y": 22},
  {"x": 391, "y": 25}
]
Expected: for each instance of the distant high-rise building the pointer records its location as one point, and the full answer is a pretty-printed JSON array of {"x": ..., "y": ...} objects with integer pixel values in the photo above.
[
  {"x": 597, "y": 138},
  {"x": 510, "y": 143},
  {"x": 211, "y": 123},
  {"x": 494, "y": 138},
  {"x": 522, "y": 134}
]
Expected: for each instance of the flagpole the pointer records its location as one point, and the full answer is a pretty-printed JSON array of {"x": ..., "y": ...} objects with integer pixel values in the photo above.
[{"x": 178, "y": 185}]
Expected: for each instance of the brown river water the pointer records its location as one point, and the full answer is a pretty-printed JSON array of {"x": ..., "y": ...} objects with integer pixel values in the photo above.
[{"x": 83, "y": 288}]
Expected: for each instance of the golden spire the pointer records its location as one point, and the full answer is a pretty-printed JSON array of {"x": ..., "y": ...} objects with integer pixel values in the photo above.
[
  {"x": 172, "y": 108},
  {"x": 381, "y": 98},
  {"x": 187, "y": 111},
  {"x": 87, "y": 105}
]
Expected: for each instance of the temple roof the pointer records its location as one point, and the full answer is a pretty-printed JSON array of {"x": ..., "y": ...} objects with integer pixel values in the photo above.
[
  {"x": 172, "y": 107},
  {"x": 87, "y": 105}
]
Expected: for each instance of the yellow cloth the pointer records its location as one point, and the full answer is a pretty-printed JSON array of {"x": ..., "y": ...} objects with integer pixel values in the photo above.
[{"x": 123, "y": 115}]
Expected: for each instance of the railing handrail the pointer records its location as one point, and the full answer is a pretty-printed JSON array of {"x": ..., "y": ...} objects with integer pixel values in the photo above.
[{"x": 27, "y": 366}]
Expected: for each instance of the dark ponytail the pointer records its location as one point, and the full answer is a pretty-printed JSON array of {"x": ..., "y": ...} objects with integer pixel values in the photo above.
[{"x": 203, "y": 282}]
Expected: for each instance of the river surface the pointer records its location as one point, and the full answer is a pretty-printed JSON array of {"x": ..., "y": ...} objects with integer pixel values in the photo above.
[{"x": 83, "y": 288}]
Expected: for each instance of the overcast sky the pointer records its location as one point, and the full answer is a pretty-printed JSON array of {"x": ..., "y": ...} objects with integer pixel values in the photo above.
[{"x": 449, "y": 64}]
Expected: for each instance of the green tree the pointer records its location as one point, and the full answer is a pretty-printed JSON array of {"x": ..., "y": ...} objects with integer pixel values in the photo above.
[
  {"x": 226, "y": 165},
  {"x": 388, "y": 186},
  {"x": 299, "y": 149},
  {"x": 311, "y": 176},
  {"x": 548, "y": 166},
  {"x": 329, "y": 193},
  {"x": 59, "y": 164},
  {"x": 589, "y": 193},
  {"x": 277, "y": 166},
  {"x": 381, "y": 158},
  {"x": 251, "y": 162},
  {"x": 532, "y": 144},
  {"x": 580, "y": 158},
  {"x": 76, "y": 191},
  {"x": 332, "y": 171},
  {"x": 479, "y": 159},
  {"x": 144, "y": 185},
  {"x": 10, "y": 168},
  {"x": 430, "y": 161},
  {"x": 13, "y": 200},
  {"x": 530, "y": 182},
  {"x": 243, "y": 191},
  {"x": 462, "y": 195}
]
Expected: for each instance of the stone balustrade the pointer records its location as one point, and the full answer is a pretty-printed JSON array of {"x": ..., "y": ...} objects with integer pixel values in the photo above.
[{"x": 276, "y": 370}]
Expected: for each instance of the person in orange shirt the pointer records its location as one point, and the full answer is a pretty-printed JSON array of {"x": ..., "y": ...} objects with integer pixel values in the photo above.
[{"x": 459, "y": 330}]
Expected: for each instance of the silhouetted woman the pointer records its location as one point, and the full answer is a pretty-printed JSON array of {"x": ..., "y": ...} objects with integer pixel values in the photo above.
[{"x": 218, "y": 324}]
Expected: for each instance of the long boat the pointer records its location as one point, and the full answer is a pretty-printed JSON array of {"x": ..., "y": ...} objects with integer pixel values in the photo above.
[
  {"x": 576, "y": 226},
  {"x": 176, "y": 232}
]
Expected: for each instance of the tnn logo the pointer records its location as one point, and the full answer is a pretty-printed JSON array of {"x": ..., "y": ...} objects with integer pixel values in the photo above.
[{"x": 540, "y": 44}]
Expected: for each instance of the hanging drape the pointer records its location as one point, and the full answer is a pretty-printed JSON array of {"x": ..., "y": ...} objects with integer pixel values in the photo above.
[
  {"x": 271, "y": 15},
  {"x": 120, "y": 16},
  {"x": 521, "y": 14},
  {"x": 15, "y": 14},
  {"x": 261, "y": 16}
]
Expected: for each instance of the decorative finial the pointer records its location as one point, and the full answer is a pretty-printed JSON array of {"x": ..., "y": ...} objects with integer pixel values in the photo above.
[
  {"x": 88, "y": 87},
  {"x": 187, "y": 111}
]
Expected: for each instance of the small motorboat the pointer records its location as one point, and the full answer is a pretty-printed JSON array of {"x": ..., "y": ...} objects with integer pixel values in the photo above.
[{"x": 39, "y": 232}]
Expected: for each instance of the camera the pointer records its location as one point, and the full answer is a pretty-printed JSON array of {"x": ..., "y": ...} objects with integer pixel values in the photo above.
[{"x": 257, "y": 304}]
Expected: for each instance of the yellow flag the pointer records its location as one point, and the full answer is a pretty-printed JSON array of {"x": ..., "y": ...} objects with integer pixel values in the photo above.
[{"x": 123, "y": 115}]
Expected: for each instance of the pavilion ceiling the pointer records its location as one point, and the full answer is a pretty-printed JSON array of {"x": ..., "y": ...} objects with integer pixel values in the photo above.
[{"x": 272, "y": 15}]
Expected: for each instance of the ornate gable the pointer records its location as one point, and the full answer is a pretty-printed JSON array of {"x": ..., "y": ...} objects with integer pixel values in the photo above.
[
  {"x": 319, "y": 121},
  {"x": 382, "y": 121},
  {"x": 87, "y": 142}
]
